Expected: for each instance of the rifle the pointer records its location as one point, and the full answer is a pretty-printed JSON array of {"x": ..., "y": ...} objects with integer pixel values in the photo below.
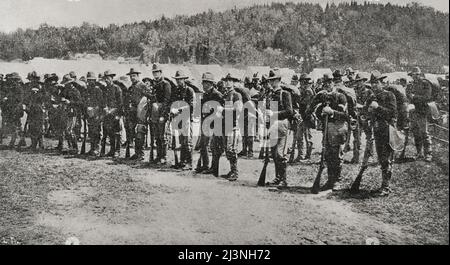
[
  {"x": 262, "y": 176},
  {"x": 83, "y": 145},
  {"x": 367, "y": 153},
  {"x": 316, "y": 186}
]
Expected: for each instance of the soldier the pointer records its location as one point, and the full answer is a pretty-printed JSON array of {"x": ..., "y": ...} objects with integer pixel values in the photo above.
[
  {"x": 95, "y": 104},
  {"x": 229, "y": 113},
  {"x": 136, "y": 122},
  {"x": 71, "y": 105},
  {"x": 36, "y": 115},
  {"x": 160, "y": 113},
  {"x": 352, "y": 122},
  {"x": 350, "y": 73},
  {"x": 2, "y": 94},
  {"x": 186, "y": 94},
  {"x": 112, "y": 95},
  {"x": 332, "y": 104},
  {"x": 382, "y": 110},
  {"x": 306, "y": 98},
  {"x": 12, "y": 106},
  {"x": 279, "y": 129},
  {"x": 248, "y": 125},
  {"x": 210, "y": 96},
  {"x": 419, "y": 94},
  {"x": 363, "y": 94},
  {"x": 33, "y": 82}
]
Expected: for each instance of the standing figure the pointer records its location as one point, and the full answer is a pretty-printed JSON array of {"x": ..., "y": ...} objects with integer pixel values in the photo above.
[
  {"x": 12, "y": 106},
  {"x": 94, "y": 110}
]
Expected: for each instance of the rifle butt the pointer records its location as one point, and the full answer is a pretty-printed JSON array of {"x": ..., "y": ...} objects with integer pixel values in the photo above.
[
  {"x": 316, "y": 186},
  {"x": 262, "y": 176}
]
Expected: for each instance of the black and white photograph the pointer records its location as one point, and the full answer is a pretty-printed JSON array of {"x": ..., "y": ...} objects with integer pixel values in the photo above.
[{"x": 224, "y": 122}]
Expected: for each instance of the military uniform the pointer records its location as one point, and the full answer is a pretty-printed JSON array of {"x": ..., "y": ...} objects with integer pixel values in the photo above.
[
  {"x": 160, "y": 117},
  {"x": 71, "y": 110},
  {"x": 136, "y": 124},
  {"x": 363, "y": 94},
  {"x": 337, "y": 133},
  {"x": 12, "y": 106},
  {"x": 112, "y": 95},
  {"x": 278, "y": 132},
  {"x": 304, "y": 127},
  {"x": 35, "y": 110},
  {"x": 34, "y": 82},
  {"x": 381, "y": 117},
  {"x": 419, "y": 94},
  {"x": 249, "y": 126},
  {"x": 95, "y": 104},
  {"x": 185, "y": 94},
  {"x": 212, "y": 96}
]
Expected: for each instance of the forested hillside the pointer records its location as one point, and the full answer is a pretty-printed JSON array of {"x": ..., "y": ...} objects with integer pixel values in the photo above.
[{"x": 300, "y": 36}]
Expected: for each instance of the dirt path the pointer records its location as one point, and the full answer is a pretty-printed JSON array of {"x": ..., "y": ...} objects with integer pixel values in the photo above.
[{"x": 102, "y": 202}]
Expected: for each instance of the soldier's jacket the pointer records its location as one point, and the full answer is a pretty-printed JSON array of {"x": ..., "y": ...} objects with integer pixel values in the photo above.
[
  {"x": 112, "y": 95},
  {"x": 363, "y": 94},
  {"x": 163, "y": 92},
  {"x": 336, "y": 100},
  {"x": 350, "y": 96},
  {"x": 27, "y": 93},
  {"x": 422, "y": 95},
  {"x": 213, "y": 95},
  {"x": 386, "y": 113},
  {"x": 73, "y": 95},
  {"x": 284, "y": 100},
  {"x": 306, "y": 98},
  {"x": 12, "y": 106},
  {"x": 231, "y": 96},
  {"x": 35, "y": 107},
  {"x": 134, "y": 94},
  {"x": 185, "y": 94}
]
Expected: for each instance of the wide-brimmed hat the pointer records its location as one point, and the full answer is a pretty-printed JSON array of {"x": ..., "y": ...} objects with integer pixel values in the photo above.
[
  {"x": 33, "y": 75},
  {"x": 274, "y": 74},
  {"x": 156, "y": 68},
  {"x": 66, "y": 79},
  {"x": 376, "y": 76},
  {"x": 14, "y": 76},
  {"x": 208, "y": 77},
  {"x": 255, "y": 76},
  {"x": 180, "y": 75},
  {"x": 108, "y": 73},
  {"x": 295, "y": 78},
  {"x": 132, "y": 71},
  {"x": 91, "y": 76},
  {"x": 415, "y": 71},
  {"x": 147, "y": 79},
  {"x": 73, "y": 74},
  {"x": 358, "y": 78},
  {"x": 229, "y": 76}
]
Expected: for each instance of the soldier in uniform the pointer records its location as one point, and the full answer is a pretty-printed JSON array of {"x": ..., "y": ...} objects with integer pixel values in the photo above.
[
  {"x": 210, "y": 96},
  {"x": 304, "y": 132},
  {"x": 112, "y": 95},
  {"x": 33, "y": 82},
  {"x": 71, "y": 103},
  {"x": 248, "y": 126},
  {"x": 182, "y": 92},
  {"x": 419, "y": 93},
  {"x": 229, "y": 113},
  {"x": 382, "y": 109},
  {"x": 36, "y": 115},
  {"x": 278, "y": 131},
  {"x": 12, "y": 106},
  {"x": 95, "y": 104},
  {"x": 363, "y": 94},
  {"x": 352, "y": 122},
  {"x": 136, "y": 122},
  {"x": 160, "y": 113},
  {"x": 332, "y": 104}
]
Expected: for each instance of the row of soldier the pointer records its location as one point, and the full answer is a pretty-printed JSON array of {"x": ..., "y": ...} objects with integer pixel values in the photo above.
[{"x": 107, "y": 106}]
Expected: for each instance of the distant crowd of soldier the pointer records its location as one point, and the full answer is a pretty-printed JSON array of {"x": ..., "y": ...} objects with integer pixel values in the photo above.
[{"x": 340, "y": 105}]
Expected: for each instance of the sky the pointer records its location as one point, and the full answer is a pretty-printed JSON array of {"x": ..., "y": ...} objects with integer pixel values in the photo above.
[{"x": 31, "y": 13}]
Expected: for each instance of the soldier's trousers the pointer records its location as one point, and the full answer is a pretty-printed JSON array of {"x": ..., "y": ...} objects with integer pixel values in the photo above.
[
  {"x": 334, "y": 155},
  {"x": 10, "y": 126},
  {"x": 111, "y": 130},
  {"x": 36, "y": 131},
  {"x": 204, "y": 143},
  {"x": 159, "y": 128},
  {"x": 422, "y": 138},
  {"x": 140, "y": 132},
  {"x": 71, "y": 124},
  {"x": 94, "y": 128},
  {"x": 186, "y": 147},
  {"x": 248, "y": 138},
  {"x": 303, "y": 133},
  {"x": 356, "y": 141},
  {"x": 385, "y": 154},
  {"x": 227, "y": 143}
]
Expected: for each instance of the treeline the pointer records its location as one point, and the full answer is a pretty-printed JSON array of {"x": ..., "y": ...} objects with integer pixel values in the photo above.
[{"x": 299, "y": 36}]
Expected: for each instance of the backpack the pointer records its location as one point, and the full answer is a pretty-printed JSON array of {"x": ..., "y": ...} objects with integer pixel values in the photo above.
[
  {"x": 436, "y": 92},
  {"x": 350, "y": 96},
  {"x": 402, "y": 104}
]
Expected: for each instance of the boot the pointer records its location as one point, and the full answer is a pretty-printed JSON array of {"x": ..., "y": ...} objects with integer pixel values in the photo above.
[
  {"x": 250, "y": 146},
  {"x": 233, "y": 175},
  {"x": 337, "y": 185},
  {"x": 355, "y": 158},
  {"x": 118, "y": 146},
  {"x": 13, "y": 140},
  {"x": 331, "y": 179},
  {"x": 277, "y": 179},
  {"x": 427, "y": 151},
  {"x": 41, "y": 142},
  {"x": 103, "y": 148},
  {"x": 419, "y": 152},
  {"x": 33, "y": 144},
  {"x": 385, "y": 189},
  {"x": 309, "y": 149}
]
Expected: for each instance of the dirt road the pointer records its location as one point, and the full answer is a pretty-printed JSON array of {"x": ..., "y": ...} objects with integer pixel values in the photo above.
[{"x": 46, "y": 198}]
